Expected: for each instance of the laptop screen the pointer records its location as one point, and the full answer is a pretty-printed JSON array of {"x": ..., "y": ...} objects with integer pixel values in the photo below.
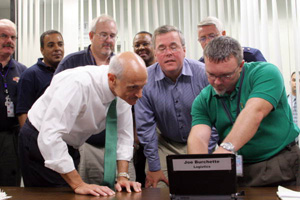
[{"x": 202, "y": 174}]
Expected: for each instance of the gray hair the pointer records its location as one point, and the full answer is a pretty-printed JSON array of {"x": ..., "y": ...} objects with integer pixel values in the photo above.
[
  {"x": 7, "y": 22},
  {"x": 212, "y": 21},
  {"x": 222, "y": 48},
  {"x": 101, "y": 18},
  {"x": 166, "y": 29},
  {"x": 115, "y": 67}
]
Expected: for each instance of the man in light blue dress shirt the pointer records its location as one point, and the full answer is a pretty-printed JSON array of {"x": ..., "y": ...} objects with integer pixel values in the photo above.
[
  {"x": 292, "y": 98},
  {"x": 173, "y": 84}
]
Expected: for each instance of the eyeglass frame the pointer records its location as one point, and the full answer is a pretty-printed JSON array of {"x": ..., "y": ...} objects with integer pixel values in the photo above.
[
  {"x": 5, "y": 37},
  {"x": 222, "y": 77},
  {"x": 209, "y": 36},
  {"x": 103, "y": 38},
  {"x": 172, "y": 49}
]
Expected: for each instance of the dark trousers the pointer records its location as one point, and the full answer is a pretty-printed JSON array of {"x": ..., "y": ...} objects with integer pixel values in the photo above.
[
  {"x": 139, "y": 161},
  {"x": 10, "y": 173},
  {"x": 281, "y": 169},
  {"x": 35, "y": 174}
]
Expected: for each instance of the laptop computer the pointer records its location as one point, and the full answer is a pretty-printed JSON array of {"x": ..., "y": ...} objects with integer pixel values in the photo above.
[{"x": 202, "y": 176}]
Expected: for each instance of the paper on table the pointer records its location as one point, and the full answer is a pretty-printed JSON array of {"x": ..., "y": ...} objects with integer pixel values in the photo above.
[
  {"x": 287, "y": 194},
  {"x": 3, "y": 195}
]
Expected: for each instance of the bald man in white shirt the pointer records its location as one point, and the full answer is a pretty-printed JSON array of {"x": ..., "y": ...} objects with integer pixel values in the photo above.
[{"x": 73, "y": 108}]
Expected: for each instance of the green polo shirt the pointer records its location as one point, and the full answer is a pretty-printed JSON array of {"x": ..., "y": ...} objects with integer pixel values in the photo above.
[{"x": 277, "y": 130}]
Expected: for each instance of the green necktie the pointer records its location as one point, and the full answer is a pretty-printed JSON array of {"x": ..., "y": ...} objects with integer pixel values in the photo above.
[{"x": 110, "y": 154}]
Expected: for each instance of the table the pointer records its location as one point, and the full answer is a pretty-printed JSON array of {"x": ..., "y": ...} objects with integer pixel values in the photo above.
[{"x": 30, "y": 193}]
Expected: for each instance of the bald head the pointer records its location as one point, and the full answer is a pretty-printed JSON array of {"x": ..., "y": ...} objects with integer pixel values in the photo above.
[{"x": 127, "y": 76}]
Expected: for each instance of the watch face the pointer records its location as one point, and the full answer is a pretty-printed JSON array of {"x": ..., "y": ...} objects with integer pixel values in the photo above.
[{"x": 228, "y": 146}]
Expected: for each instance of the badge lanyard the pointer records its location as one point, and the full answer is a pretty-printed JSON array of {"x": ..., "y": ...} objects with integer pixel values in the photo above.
[
  {"x": 238, "y": 100},
  {"x": 8, "y": 102},
  {"x": 4, "y": 79},
  {"x": 239, "y": 158}
]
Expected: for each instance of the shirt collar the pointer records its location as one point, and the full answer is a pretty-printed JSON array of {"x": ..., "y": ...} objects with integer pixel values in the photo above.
[
  {"x": 108, "y": 95},
  {"x": 44, "y": 66},
  {"x": 186, "y": 71},
  {"x": 90, "y": 55}
]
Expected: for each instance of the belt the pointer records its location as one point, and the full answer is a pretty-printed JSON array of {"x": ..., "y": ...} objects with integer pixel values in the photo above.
[{"x": 289, "y": 146}]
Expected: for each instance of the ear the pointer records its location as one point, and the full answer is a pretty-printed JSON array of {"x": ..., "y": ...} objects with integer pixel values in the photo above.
[
  {"x": 223, "y": 33},
  {"x": 91, "y": 35},
  {"x": 111, "y": 78},
  {"x": 42, "y": 50},
  {"x": 242, "y": 64},
  {"x": 184, "y": 50}
]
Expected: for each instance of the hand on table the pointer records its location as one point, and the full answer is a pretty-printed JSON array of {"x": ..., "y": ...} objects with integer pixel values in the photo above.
[
  {"x": 123, "y": 182},
  {"x": 93, "y": 189},
  {"x": 153, "y": 178}
]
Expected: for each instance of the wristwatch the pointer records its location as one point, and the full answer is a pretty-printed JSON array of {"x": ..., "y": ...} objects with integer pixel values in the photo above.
[
  {"x": 124, "y": 174},
  {"x": 228, "y": 146}
]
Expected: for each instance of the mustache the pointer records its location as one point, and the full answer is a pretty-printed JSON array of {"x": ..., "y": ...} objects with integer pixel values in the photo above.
[{"x": 8, "y": 45}]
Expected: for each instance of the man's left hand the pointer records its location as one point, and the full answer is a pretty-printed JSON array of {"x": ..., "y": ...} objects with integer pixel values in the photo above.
[{"x": 123, "y": 182}]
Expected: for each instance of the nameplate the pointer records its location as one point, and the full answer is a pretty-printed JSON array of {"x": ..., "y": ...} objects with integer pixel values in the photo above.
[{"x": 206, "y": 164}]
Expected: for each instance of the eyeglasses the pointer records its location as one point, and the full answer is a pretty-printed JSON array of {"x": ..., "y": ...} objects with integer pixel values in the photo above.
[
  {"x": 103, "y": 36},
  {"x": 209, "y": 37},
  {"x": 222, "y": 77},
  {"x": 163, "y": 49},
  {"x": 3, "y": 36}
]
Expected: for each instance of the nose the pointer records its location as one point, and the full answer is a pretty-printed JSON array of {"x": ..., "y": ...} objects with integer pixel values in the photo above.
[
  {"x": 109, "y": 39},
  {"x": 139, "y": 94},
  {"x": 218, "y": 81},
  {"x": 168, "y": 51},
  {"x": 58, "y": 47},
  {"x": 207, "y": 41},
  {"x": 9, "y": 39},
  {"x": 141, "y": 47}
]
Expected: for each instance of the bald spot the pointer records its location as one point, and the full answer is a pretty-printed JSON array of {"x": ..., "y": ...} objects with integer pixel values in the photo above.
[{"x": 134, "y": 66}]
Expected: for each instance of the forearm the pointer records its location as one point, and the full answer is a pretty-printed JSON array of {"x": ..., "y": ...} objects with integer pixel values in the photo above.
[
  {"x": 22, "y": 118},
  {"x": 122, "y": 166},
  {"x": 248, "y": 122},
  {"x": 198, "y": 139},
  {"x": 73, "y": 179}
]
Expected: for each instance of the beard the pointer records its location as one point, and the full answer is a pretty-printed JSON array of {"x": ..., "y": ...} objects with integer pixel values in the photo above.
[{"x": 220, "y": 93}]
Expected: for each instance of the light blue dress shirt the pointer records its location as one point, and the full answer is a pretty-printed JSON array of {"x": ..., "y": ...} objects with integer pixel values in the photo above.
[{"x": 167, "y": 105}]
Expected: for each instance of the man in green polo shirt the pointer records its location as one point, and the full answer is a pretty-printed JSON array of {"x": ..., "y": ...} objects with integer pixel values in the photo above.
[{"x": 247, "y": 104}]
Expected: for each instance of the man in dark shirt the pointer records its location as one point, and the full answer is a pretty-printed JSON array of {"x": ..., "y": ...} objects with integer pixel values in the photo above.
[
  {"x": 37, "y": 78},
  {"x": 142, "y": 45},
  {"x": 211, "y": 27},
  {"x": 10, "y": 71}
]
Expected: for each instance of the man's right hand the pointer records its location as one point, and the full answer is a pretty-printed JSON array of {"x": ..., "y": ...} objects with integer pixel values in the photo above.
[
  {"x": 93, "y": 189},
  {"x": 76, "y": 183},
  {"x": 153, "y": 178}
]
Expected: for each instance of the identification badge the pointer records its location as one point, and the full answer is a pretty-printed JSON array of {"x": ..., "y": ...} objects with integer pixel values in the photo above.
[
  {"x": 9, "y": 107},
  {"x": 239, "y": 165}
]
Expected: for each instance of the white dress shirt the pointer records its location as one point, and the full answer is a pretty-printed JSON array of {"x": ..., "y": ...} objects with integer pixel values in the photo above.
[{"x": 73, "y": 108}]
